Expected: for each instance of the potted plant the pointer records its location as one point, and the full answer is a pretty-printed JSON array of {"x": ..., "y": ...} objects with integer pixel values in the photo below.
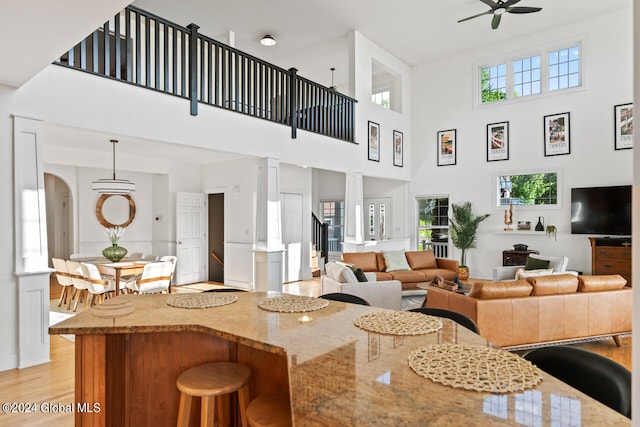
[{"x": 463, "y": 228}]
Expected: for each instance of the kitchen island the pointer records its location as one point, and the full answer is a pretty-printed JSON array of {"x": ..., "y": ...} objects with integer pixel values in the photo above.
[{"x": 336, "y": 373}]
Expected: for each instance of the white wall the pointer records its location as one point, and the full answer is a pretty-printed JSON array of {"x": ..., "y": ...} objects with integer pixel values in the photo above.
[{"x": 607, "y": 70}]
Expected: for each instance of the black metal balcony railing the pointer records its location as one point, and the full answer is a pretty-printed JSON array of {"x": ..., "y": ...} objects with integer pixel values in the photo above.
[{"x": 146, "y": 50}]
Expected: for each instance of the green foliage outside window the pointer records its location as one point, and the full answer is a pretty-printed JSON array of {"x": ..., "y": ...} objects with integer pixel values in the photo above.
[{"x": 535, "y": 189}]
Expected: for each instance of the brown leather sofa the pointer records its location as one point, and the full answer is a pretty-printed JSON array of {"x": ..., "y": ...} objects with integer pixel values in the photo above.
[
  {"x": 546, "y": 309},
  {"x": 423, "y": 267}
]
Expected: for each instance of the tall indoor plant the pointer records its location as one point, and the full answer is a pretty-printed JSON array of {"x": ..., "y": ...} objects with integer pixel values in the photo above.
[{"x": 463, "y": 226}]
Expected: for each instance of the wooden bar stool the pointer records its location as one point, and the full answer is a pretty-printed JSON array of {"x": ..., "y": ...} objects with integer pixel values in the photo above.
[
  {"x": 270, "y": 410},
  {"x": 213, "y": 381}
]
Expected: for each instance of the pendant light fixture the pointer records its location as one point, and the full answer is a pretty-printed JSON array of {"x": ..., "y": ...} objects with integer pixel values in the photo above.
[
  {"x": 114, "y": 185},
  {"x": 332, "y": 87}
]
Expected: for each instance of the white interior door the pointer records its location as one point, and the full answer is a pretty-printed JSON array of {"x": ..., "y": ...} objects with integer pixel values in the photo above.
[
  {"x": 292, "y": 235},
  {"x": 191, "y": 238}
]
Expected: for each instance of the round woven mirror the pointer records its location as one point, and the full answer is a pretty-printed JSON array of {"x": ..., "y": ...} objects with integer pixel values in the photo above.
[{"x": 115, "y": 210}]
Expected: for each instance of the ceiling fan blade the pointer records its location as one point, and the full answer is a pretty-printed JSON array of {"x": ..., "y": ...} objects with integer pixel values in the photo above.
[
  {"x": 510, "y": 3},
  {"x": 475, "y": 16},
  {"x": 495, "y": 21},
  {"x": 524, "y": 9},
  {"x": 490, "y": 3}
]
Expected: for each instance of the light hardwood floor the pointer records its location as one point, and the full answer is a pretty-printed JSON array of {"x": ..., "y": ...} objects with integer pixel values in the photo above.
[{"x": 49, "y": 387}]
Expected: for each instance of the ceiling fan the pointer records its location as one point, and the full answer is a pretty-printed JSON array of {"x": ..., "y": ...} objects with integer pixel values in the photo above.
[{"x": 499, "y": 8}]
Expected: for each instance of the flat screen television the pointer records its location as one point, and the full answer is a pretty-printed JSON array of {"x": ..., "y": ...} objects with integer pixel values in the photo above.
[{"x": 601, "y": 210}]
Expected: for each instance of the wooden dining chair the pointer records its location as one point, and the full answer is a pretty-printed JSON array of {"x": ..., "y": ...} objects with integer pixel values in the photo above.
[
  {"x": 155, "y": 278},
  {"x": 77, "y": 278},
  {"x": 97, "y": 285},
  {"x": 64, "y": 279}
]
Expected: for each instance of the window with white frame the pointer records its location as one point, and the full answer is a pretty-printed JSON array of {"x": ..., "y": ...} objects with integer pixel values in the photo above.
[
  {"x": 382, "y": 98},
  {"x": 546, "y": 72},
  {"x": 333, "y": 215}
]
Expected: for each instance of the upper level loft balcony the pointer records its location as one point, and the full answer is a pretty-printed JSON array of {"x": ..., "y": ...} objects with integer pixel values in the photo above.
[{"x": 148, "y": 51}]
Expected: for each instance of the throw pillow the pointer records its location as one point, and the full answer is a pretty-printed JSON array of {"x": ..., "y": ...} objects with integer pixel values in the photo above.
[
  {"x": 536, "y": 264},
  {"x": 523, "y": 274},
  {"x": 395, "y": 260},
  {"x": 359, "y": 274}
]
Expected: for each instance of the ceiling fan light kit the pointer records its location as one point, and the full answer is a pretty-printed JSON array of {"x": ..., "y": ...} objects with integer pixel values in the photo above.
[{"x": 501, "y": 7}]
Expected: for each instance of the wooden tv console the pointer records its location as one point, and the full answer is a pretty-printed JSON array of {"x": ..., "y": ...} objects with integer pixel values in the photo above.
[{"x": 611, "y": 255}]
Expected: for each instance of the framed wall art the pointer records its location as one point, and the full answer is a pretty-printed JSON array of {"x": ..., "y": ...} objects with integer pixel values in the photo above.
[
  {"x": 557, "y": 136},
  {"x": 497, "y": 141},
  {"x": 374, "y": 141},
  {"x": 623, "y": 123},
  {"x": 398, "y": 148},
  {"x": 447, "y": 147}
]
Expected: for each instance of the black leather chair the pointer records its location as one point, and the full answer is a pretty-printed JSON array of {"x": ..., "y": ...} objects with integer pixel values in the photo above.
[
  {"x": 338, "y": 296},
  {"x": 596, "y": 376},
  {"x": 460, "y": 319}
]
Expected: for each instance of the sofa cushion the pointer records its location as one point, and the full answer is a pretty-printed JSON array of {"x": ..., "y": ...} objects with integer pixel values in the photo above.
[
  {"x": 521, "y": 273},
  {"x": 431, "y": 273},
  {"x": 601, "y": 283},
  {"x": 506, "y": 289},
  {"x": 366, "y": 261},
  {"x": 395, "y": 260},
  {"x": 381, "y": 276},
  {"x": 536, "y": 263},
  {"x": 421, "y": 259},
  {"x": 408, "y": 276},
  {"x": 553, "y": 284},
  {"x": 381, "y": 264}
]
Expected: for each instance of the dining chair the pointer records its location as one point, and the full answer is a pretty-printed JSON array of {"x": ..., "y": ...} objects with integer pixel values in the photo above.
[
  {"x": 174, "y": 260},
  {"x": 593, "y": 374},
  {"x": 339, "y": 296},
  {"x": 155, "y": 278},
  {"x": 97, "y": 285},
  {"x": 135, "y": 255},
  {"x": 460, "y": 319},
  {"x": 77, "y": 278},
  {"x": 64, "y": 279},
  {"x": 150, "y": 257}
]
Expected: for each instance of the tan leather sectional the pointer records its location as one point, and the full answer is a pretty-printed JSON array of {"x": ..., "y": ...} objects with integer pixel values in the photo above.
[
  {"x": 546, "y": 309},
  {"x": 423, "y": 267}
]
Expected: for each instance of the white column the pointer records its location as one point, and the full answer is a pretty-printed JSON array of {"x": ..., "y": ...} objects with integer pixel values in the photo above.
[
  {"x": 353, "y": 209},
  {"x": 31, "y": 264},
  {"x": 268, "y": 254}
]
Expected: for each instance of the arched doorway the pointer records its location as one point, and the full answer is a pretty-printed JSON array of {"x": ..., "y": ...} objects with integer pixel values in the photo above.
[{"x": 59, "y": 205}]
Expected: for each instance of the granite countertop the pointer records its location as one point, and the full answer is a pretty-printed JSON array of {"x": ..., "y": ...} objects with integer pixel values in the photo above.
[{"x": 342, "y": 375}]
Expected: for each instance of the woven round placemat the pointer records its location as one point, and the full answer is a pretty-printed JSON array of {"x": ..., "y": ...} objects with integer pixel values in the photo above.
[
  {"x": 392, "y": 322},
  {"x": 474, "y": 368},
  {"x": 293, "y": 304},
  {"x": 202, "y": 300}
]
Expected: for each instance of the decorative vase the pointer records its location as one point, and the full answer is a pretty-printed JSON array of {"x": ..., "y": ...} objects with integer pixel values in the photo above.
[
  {"x": 539, "y": 225},
  {"x": 463, "y": 273},
  {"x": 114, "y": 253}
]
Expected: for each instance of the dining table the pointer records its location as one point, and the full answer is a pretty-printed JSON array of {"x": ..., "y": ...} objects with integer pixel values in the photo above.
[
  {"x": 337, "y": 371},
  {"x": 121, "y": 269}
]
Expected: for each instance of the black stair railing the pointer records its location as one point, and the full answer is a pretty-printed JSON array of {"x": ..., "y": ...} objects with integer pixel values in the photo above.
[
  {"x": 320, "y": 236},
  {"x": 148, "y": 51}
]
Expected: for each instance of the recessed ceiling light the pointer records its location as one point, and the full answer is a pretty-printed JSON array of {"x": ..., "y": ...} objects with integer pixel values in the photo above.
[{"x": 267, "y": 40}]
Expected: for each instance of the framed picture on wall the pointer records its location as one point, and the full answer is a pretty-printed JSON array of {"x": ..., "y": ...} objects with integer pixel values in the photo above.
[
  {"x": 497, "y": 141},
  {"x": 374, "y": 141},
  {"x": 623, "y": 122},
  {"x": 398, "y": 148},
  {"x": 447, "y": 147},
  {"x": 557, "y": 136}
]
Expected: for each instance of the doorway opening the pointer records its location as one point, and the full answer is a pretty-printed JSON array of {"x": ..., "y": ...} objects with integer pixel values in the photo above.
[{"x": 216, "y": 237}]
